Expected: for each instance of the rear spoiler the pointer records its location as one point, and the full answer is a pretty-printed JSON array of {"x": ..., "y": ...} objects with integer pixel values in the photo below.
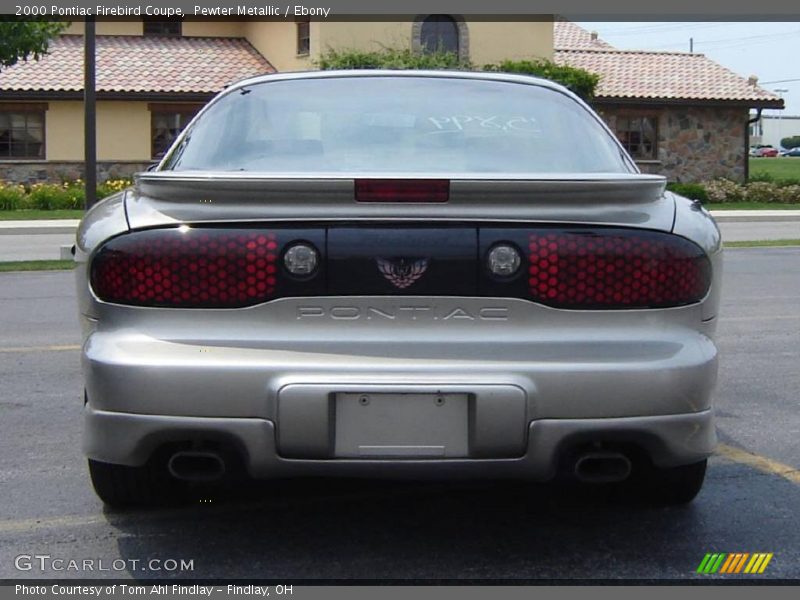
[{"x": 618, "y": 199}]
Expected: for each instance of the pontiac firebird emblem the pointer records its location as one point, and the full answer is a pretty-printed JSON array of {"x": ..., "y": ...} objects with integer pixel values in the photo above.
[{"x": 402, "y": 273}]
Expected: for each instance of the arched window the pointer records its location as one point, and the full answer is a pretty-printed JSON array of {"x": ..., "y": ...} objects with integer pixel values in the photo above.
[{"x": 439, "y": 33}]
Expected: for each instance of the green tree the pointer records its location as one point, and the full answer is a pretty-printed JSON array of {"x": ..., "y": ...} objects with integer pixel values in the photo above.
[
  {"x": 581, "y": 82},
  {"x": 21, "y": 39},
  {"x": 390, "y": 58},
  {"x": 790, "y": 142}
]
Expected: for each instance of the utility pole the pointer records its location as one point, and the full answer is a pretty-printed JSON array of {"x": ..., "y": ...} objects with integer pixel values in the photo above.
[
  {"x": 780, "y": 93},
  {"x": 89, "y": 114}
]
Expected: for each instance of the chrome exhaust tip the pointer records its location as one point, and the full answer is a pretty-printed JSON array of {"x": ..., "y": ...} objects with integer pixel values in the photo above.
[
  {"x": 602, "y": 467},
  {"x": 196, "y": 466}
]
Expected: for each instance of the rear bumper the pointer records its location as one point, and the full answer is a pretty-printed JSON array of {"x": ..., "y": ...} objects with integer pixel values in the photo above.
[
  {"x": 130, "y": 439},
  {"x": 536, "y": 380}
]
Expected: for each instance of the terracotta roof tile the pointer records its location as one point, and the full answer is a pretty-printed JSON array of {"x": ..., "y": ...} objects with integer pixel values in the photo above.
[
  {"x": 138, "y": 64},
  {"x": 663, "y": 75},
  {"x": 567, "y": 34}
]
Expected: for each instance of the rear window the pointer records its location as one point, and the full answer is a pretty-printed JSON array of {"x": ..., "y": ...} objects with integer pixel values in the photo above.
[{"x": 397, "y": 124}]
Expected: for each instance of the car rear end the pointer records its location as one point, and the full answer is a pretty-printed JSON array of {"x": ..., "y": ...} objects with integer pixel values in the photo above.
[{"x": 290, "y": 318}]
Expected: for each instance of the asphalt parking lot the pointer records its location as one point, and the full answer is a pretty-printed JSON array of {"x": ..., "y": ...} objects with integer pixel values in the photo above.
[{"x": 350, "y": 530}]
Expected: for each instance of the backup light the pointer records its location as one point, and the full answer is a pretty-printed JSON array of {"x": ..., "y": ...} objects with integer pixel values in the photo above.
[
  {"x": 504, "y": 260},
  {"x": 301, "y": 259}
]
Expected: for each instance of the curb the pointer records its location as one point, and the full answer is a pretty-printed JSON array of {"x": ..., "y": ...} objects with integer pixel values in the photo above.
[
  {"x": 755, "y": 216},
  {"x": 53, "y": 226}
]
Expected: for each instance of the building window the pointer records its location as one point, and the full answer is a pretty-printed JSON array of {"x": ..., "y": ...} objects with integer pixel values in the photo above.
[
  {"x": 162, "y": 28},
  {"x": 447, "y": 33},
  {"x": 22, "y": 132},
  {"x": 167, "y": 121},
  {"x": 639, "y": 136},
  {"x": 439, "y": 34},
  {"x": 303, "y": 37}
]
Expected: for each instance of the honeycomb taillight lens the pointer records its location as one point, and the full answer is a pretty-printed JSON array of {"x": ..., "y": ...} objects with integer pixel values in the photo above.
[
  {"x": 615, "y": 268},
  {"x": 192, "y": 267}
]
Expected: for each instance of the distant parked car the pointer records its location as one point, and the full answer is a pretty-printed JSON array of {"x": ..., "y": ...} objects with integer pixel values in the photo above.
[
  {"x": 791, "y": 152},
  {"x": 767, "y": 152},
  {"x": 758, "y": 149}
]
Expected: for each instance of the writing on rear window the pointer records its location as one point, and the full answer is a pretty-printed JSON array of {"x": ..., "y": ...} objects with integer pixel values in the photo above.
[{"x": 493, "y": 123}]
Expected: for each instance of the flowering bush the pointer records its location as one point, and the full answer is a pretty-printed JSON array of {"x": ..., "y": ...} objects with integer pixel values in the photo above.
[
  {"x": 54, "y": 196},
  {"x": 724, "y": 190},
  {"x": 112, "y": 186},
  {"x": 12, "y": 196}
]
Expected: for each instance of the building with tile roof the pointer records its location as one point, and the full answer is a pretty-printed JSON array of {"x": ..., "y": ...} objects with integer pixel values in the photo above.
[
  {"x": 152, "y": 77},
  {"x": 678, "y": 114}
]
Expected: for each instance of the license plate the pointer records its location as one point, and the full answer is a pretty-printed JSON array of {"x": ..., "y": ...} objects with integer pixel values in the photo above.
[{"x": 370, "y": 425}]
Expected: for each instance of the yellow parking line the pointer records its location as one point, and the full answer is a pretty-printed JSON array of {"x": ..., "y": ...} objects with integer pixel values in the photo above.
[
  {"x": 761, "y": 463},
  {"x": 20, "y": 349},
  {"x": 14, "y": 526}
]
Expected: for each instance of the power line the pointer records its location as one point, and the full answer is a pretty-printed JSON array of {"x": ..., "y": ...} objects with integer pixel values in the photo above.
[
  {"x": 777, "y": 81},
  {"x": 660, "y": 28},
  {"x": 732, "y": 42}
]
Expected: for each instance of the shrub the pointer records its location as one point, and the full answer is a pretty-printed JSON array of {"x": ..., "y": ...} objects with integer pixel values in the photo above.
[
  {"x": 693, "y": 191},
  {"x": 761, "y": 176},
  {"x": 580, "y": 81},
  {"x": 762, "y": 191},
  {"x": 724, "y": 190},
  {"x": 12, "y": 196},
  {"x": 765, "y": 192},
  {"x": 112, "y": 186},
  {"x": 390, "y": 58},
  {"x": 54, "y": 196},
  {"x": 789, "y": 194}
]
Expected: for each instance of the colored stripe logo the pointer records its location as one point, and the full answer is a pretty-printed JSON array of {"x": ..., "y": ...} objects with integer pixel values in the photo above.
[{"x": 735, "y": 562}]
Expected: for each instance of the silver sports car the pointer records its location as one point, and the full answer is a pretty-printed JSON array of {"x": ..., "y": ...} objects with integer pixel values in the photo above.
[{"x": 397, "y": 274}]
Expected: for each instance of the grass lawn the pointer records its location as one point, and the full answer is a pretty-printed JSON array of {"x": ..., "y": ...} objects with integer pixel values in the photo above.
[
  {"x": 762, "y": 243},
  {"x": 36, "y": 215},
  {"x": 37, "y": 265},
  {"x": 752, "y": 206},
  {"x": 780, "y": 167}
]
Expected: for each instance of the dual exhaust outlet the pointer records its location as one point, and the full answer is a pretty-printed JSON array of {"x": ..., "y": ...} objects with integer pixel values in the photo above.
[{"x": 590, "y": 467}]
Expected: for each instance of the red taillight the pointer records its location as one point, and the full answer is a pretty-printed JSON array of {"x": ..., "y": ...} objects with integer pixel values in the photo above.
[
  {"x": 188, "y": 268},
  {"x": 402, "y": 190},
  {"x": 615, "y": 268}
]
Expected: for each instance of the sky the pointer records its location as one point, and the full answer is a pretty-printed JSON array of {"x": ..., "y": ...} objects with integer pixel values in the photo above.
[{"x": 771, "y": 51}]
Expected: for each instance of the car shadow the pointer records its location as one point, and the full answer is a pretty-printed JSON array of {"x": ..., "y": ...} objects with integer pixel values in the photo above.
[{"x": 318, "y": 529}]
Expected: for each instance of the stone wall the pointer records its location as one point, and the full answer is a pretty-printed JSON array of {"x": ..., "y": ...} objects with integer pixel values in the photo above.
[
  {"x": 694, "y": 143},
  {"x": 58, "y": 171}
]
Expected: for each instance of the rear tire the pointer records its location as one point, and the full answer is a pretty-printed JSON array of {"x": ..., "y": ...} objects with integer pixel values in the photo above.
[
  {"x": 670, "y": 487},
  {"x": 120, "y": 486}
]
